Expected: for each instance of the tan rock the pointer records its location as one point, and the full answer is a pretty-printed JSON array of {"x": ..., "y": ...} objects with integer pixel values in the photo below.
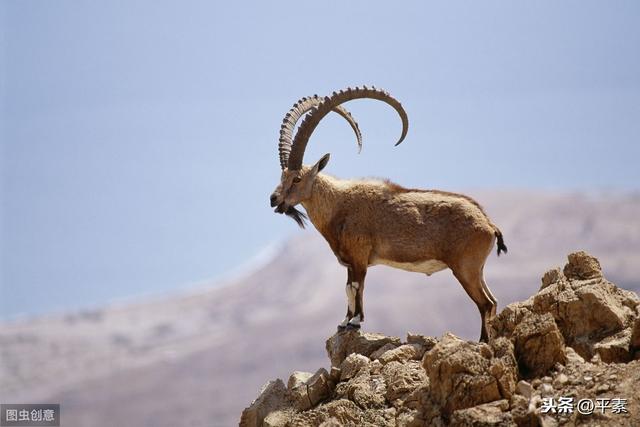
[
  {"x": 551, "y": 277},
  {"x": 538, "y": 344},
  {"x": 273, "y": 397},
  {"x": 331, "y": 422},
  {"x": 525, "y": 389},
  {"x": 427, "y": 342},
  {"x": 366, "y": 390},
  {"x": 587, "y": 311},
  {"x": 488, "y": 414},
  {"x": 506, "y": 321},
  {"x": 504, "y": 366},
  {"x": 278, "y": 418},
  {"x": 341, "y": 411},
  {"x": 342, "y": 344},
  {"x": 403, "y": 353},
  {"x": 582, "y": 266},
  {"x": 616, "y": 348},
  {"x": 382, "y": 350},
  {"x": 572, "y": 357},
  {"x": 459, "y": 374},
  {"x": 298, "y": 378},
  {"x": 352, "y": 365},
  {"x": 309, "y": 393},
  {"x": 402, "y": 378},
  {"x": 318, "y": 386}
]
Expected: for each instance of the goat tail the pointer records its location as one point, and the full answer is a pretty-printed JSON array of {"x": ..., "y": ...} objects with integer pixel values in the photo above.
[{"x": 501, "y": 246}]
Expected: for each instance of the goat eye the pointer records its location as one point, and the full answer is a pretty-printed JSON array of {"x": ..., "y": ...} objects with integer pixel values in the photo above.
[{"x": 297, "y": 179}]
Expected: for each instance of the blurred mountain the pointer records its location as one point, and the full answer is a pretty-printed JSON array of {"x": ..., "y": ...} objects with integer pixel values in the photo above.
[{"x": 198, "y": 358}]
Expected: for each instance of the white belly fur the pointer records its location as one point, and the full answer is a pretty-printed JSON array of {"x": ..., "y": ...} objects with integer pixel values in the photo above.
[{"x": 428, "y": 267}]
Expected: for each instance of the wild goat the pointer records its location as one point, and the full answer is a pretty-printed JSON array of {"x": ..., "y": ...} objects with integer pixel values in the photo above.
[{"x": 369, "y": 222}]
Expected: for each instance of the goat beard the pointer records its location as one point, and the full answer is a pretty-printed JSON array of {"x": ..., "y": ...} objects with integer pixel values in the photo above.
[{"x": 298, "y": 216}]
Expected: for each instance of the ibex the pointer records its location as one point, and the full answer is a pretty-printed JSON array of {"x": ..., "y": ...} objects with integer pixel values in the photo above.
[{"x": 370, "y": 222}]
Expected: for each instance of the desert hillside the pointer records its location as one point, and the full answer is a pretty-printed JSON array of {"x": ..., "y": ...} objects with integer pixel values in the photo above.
[
  {"x": 199, "y": 358},
  {"x": 565, "y": 356}
]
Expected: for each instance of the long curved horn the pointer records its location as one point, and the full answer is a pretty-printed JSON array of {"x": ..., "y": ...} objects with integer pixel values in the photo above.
[
  {"x": 299, "y": 109},
  {"x": 310, "y": 122}
]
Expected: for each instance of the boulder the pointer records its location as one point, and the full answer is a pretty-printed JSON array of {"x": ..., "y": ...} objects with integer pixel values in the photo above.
[
  {"x": 382, "y": 350},
  {"x": 365, "y": 390},
  {"x": 404, "y": 353},
  {"x": 402, "y": 378},
  {"x": 616, "y": 348},
  {"x": 582, "y": 266},
  {"x": 343, "y": 343},
  {"x": 273, "y": 397},
  {"x": 352, "y": 365},
  {"x": 312, "y": 391},
  {"x": 298, "y": 378},
  {"x": 488, "y": 414},
  {"x": 427, "y": 342},
  {"x": 587, "y": 308},
  {"x": 504, "y": 366},
  {"x": 460, "y": 374},
  {"x": 538, "y": 344}
]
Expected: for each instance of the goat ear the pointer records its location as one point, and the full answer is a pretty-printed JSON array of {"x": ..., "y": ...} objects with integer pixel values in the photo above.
[{"x": 321, "y": 163}]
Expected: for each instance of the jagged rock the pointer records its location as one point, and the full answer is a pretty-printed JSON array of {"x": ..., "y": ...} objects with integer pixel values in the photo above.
[
  {"x": 538, "y": 344},
  {"x": 460, "y": 374},
  {"x": 506, "y": 321},
  {"x": 582, "y": 266},
  {"x": 404, "y": 352},
  {"x": 278, "y": 418},
  {"x": 382, "y": 350},
  {"x": 504, "y": 366},
  {"x": 331, "y": 422},
  {"x": 318, "y": 386},
  {"x": 352, "y": 365},
  {"x": 551, "y": 276},
  {"x": 525, "y": 389},
  {"x": 488, "y": 414},
  {"x": 586, "y": 307},
  {"x": 309, "y": 393},
  {"x": 572, "y": 357},
  {"x": 402, "y": 378},
  {"x": 365, "y": 390},
  {"x": 577, "y": 315},
  {"x": 273, "y": 397},
  {"x": 342, "y": 344},
  {"x": 520, "y": 413},
  {"x": 615, "y": 348},
  {"x": 335, "y": 374},
  {"x": 342, "y": 411},
  {"x": 298, "y": 378},
  {"x": 585, "y": 311},
  {"x": 427, "y": 342}
]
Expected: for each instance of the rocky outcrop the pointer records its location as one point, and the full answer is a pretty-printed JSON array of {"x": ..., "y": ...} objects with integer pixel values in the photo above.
[{"x": 577, "y": 338}]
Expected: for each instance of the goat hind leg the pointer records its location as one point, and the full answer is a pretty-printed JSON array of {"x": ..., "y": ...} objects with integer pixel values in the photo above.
[{"x": 472, "y": 283}]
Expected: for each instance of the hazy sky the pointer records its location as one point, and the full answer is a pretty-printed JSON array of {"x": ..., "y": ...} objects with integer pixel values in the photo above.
[{"x": 139, "y": 138}]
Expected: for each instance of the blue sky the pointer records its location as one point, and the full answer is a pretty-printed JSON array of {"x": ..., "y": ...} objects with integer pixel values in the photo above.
[{"x": 139, "y": 138}]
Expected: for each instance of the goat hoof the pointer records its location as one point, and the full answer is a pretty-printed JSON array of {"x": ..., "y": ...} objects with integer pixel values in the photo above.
[
  {"x": 341, "y": 328},
  {"x": 352, "y": 327}
]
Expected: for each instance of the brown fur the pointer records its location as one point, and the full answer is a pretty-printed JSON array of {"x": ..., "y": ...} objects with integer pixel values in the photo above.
[{"x": 369, "y": 221}]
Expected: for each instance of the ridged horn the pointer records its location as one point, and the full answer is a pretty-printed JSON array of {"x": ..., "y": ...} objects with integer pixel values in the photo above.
[
  {"x": 310, "y": 122},
  {"x": 299, "y": 109}
]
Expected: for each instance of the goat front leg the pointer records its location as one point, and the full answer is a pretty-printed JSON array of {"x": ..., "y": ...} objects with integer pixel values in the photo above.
[
  {"x": 350, "y": 306},
  {"x": 355, "y": 290}
]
